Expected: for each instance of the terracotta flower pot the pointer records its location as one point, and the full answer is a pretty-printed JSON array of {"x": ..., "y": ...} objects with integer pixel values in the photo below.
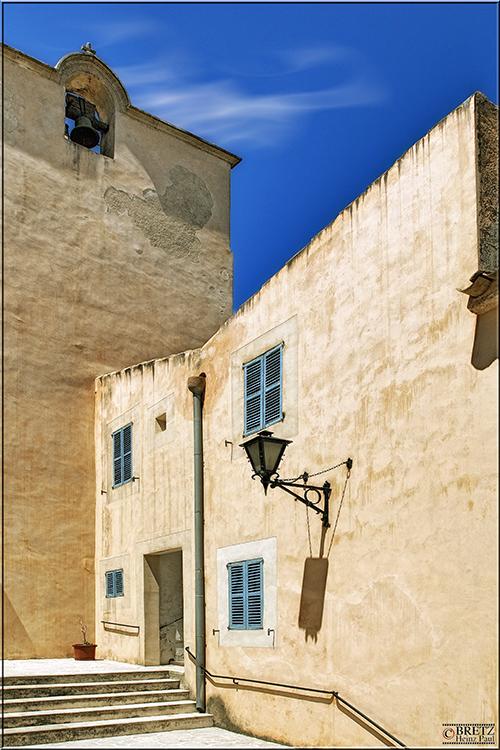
[{"x": 84, "y": 651}]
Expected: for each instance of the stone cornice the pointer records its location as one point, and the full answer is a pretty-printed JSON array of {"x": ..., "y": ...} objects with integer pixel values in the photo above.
[
  {"x": 483, "y": 292},
  {"x": 29, "y": 62},
  {"x": 154, "y": 122}
]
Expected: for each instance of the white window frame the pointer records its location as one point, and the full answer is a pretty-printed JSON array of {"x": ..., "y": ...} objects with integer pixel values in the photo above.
[
  {"x": 265, "y": 637},
  {"x": 287, "y": 427}
]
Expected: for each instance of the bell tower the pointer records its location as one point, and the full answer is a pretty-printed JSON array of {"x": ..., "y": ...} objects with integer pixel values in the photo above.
[{"x": 116, "y": 251}]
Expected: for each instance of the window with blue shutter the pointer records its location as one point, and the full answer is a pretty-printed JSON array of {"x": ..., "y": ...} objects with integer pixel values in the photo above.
[
  {"x": 114, "y": 583},
  {"x": 246, "y": 601},
  {"x": 122, "y": 455},
  {"x": 263, "y": 390}
]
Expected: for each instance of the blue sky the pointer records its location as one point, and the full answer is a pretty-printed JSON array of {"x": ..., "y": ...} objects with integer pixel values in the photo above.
[{"x": 319, "y": 99}]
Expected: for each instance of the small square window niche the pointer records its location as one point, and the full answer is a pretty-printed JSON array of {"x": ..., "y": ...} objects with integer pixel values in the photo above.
[{"x": 161, "y": 423}]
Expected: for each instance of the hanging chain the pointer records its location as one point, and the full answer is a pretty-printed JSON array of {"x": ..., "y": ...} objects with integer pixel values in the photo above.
[
  {"x": 338, "y": 512},
  {"x": 330, "y": 469},
  {"x": 305, "y": 477},
  {"x": 308, "y": 476},
  {"x": 309, "y": 531}
]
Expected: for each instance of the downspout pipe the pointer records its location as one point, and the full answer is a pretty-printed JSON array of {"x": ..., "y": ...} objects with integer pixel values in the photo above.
[{"x": 197, "y": 387}]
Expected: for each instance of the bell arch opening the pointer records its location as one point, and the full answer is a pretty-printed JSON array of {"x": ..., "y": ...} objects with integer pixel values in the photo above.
[
  {"x": 92, "y": 93},
  {"x": 90, "y": 113}
]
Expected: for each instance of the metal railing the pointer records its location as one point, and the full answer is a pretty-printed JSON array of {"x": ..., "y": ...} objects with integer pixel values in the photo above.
[
  {"x": 333, "y": 693},
  {"x": 120, "y": 624},
  {"x": 171, "y": 623}
]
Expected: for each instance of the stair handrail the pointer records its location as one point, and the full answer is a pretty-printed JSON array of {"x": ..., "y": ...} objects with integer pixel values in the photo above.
[
  {"x": 171, "y": 623},
  {"x": 333, "y": 693}
]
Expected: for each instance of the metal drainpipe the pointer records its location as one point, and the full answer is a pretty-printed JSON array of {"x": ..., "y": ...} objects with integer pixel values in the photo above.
[{"x": 197, "y": 387}]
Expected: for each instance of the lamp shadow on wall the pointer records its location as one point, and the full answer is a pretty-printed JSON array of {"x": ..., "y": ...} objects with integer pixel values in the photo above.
[
  {"x": 485, "y": 347},
  {"x": 312, "y": 598}
]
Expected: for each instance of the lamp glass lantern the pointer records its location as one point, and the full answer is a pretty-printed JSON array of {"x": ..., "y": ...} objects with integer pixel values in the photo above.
[{"x": 265, "y": 453}]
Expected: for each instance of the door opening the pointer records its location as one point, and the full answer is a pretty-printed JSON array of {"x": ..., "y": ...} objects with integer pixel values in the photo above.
[
  {"x": 163, "y": 599},
  {"x": 171, "y": 609}
]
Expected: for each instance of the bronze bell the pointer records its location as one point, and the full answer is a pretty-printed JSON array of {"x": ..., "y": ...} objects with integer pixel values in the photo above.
[{"x": 84, "y": 134}]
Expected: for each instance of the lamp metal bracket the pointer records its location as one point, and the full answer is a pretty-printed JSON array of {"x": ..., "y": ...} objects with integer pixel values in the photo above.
[{"x": 322, "y": 493}]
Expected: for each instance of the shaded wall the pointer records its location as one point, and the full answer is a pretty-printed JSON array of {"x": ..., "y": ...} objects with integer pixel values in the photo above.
[{"x": 104, "y": 266}]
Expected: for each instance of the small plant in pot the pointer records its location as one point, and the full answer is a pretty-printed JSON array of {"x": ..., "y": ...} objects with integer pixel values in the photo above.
[{"x": 84, "y": 651}]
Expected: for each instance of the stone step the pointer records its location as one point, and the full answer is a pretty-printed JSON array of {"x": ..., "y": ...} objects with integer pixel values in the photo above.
[
  {"x": 110, "y": 712},
  {"x": 87, "y": 701},
  {"x": 159, "y": 673},
  {"x": 44, "y": 734},
  {"x": 34, "y": 691}
]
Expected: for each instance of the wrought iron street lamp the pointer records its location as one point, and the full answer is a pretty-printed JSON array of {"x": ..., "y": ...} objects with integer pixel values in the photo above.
[{"x": 265, "y": 453}]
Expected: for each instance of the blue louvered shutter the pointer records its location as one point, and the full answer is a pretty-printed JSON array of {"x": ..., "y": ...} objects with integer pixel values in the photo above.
[
  {"x": 254, "y": 594},
  {"x": 272, "y": 386},
  {"x": 114, "y": 583},
  {"x": 122, "y": 455},
  {"x": 246, "y": 603},
  {"x": 110, "y": 588},
  {"x": 118, "y": 582},
  {"x": 127, "y": 453},
  {"x": 263, "y": 390},
  {"x": 236, "y": 595},
  {"x": 253, "y": 395},
  {"x": 117, "y": 458}
]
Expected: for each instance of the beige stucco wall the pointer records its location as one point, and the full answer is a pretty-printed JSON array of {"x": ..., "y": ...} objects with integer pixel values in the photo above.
[
  {"x": 108, "y": 261},
  {"x": 379, "y": 355}
]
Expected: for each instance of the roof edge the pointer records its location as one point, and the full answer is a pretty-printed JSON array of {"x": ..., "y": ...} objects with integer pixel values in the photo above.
[
  {"x": 146, "y": 118},
  {"x": 31, "y": 62}
]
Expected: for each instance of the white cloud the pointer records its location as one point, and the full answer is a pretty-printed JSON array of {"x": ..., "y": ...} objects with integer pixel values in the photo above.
[
  {"x": 311, "y": 57},
  {"x": 223, "y": 110},
  {"x": 146, "y": 74},
  {"x": 120, "y": 31}
]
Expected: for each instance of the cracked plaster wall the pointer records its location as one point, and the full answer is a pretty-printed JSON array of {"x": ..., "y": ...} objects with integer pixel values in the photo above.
[{"x": 169, "y": 221}]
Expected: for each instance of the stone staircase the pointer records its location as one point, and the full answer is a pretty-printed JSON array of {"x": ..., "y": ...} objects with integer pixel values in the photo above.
[{"x": 61, "y": 708}]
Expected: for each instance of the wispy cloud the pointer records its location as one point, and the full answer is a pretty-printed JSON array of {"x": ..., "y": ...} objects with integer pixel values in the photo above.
[
  {"x": 278, "y": 62},
  {"x": 221, "y": 109},
  {"x": 226, "y": 111},
  {"x": 117, "y": 32},
  {"x": 148, "y": 74},
  {"x": 309, "y": 57}
]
